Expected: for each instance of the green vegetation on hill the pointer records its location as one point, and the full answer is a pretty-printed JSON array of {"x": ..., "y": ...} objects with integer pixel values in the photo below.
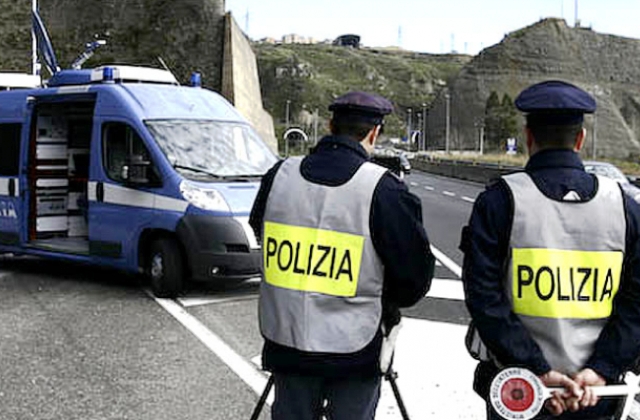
[{"x": 311, "y": 76}]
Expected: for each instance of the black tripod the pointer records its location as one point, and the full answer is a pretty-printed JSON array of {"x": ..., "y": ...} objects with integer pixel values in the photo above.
[{"x": 390, "y": 376}]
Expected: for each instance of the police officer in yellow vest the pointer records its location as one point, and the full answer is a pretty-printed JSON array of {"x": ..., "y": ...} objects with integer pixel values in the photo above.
[
  {"x": 552, "y": 264},
  {"x": 344, "y": 247}
]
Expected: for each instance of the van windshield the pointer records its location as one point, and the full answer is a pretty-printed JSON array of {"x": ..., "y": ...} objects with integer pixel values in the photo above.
[{"x": 218, "y": 148}]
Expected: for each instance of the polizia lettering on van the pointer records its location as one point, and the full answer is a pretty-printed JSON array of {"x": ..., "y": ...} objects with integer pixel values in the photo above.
[
  {"x": 555, "y": 283},
  {"x": 312, "y": 260}
]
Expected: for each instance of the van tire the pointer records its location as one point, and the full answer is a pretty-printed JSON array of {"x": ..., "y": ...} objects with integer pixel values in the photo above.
[{"x": 165, "y": 268}]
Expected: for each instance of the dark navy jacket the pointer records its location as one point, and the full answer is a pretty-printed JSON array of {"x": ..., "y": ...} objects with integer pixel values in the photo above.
[
  {"x": 398, "y": 237},
  {"x": 485, "y": 243}
]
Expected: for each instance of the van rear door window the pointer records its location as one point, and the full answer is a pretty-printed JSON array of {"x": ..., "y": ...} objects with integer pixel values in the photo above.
[{"x": 10, "y": 149}]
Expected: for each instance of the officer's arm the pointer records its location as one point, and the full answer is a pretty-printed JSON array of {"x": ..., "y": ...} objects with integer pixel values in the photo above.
[
  {"x": 401, "y": 242},
  {"x": 485, "y": 243},
  {"x": 618, "y": 347},
  {"x": 259, "y": 205}
]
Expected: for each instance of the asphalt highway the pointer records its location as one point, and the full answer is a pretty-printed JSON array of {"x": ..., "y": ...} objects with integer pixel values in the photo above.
[{"x": 77, "y": 342}]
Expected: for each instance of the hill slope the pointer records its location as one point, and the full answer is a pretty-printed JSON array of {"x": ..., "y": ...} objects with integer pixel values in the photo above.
[{"x": 311, "y": 76}]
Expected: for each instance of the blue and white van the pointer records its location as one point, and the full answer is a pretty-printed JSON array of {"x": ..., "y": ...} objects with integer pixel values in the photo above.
[{"x": 122, "y": 167}]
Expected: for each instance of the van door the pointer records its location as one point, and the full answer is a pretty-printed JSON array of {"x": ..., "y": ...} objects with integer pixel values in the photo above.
[
  {"x": 11, "y": 203},
  {"x": 121, "y": 206}
]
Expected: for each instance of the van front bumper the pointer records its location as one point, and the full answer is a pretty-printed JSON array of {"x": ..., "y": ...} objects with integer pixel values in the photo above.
[{"x": 217, "y": 248}]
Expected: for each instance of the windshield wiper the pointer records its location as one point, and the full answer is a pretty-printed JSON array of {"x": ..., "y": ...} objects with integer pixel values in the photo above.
[{"x": 200, "y": 171}]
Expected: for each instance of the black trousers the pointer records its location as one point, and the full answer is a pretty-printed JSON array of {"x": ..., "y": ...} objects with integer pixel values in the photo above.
[{"x": 299, "y": 397}]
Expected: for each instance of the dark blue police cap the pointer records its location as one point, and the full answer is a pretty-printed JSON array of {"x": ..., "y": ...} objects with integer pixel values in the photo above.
[
  {"x": 362, "y": 105},
  {"x": 555, "y": 102}
]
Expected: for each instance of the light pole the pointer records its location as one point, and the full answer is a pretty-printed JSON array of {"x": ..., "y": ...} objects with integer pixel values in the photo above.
[
  {"x": 595, "y": 135},
  {"x": 447, "y": 97},
  {"x": 34, "y": 43},
  {"x": 409, "y": 125},
  {"x": 286, "y": 127},
  {"x": 315, "y": 127},
  {"x": 424, "y": 126}
]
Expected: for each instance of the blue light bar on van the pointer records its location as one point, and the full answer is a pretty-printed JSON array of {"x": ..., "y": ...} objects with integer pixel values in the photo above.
[
  {"x": 107, "y": 74},
  {"x": 134, "y": 74},
  {"x": 196, "y": 79}
]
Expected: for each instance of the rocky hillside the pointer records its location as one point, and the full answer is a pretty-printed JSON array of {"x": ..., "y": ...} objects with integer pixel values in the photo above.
[
  {"x": 605, "y": 65},
  {"x": 311, "y": 76}
]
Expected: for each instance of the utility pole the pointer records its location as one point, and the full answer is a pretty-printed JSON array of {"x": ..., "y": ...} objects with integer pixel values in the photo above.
[
  {"x": 447, "y": 97},
  {"x": 34, "y": 43},
  {"x": 286, "y": 141},
  {"x": 577, "y": 20},
  {"x": 315, "y": 127},
  {"x": 595, "y": 136},
  {"x": 424, "y": 126},
  {"x": 409, "y": 125}
]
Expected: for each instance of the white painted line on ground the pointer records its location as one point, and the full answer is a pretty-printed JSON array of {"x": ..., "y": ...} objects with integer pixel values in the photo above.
[
  {"x": 438, "y": 263},
  {"x": 241, "y": 367},
  {"x": 448, "y": 193},
  {"x": 435, "y": 374},
  {"x": 189, "y": 302},
  {"x": 448, "y": 262},
  {"x": 429, "y": 188},
  {"x": 446, "y": 289},
  {"x": 469, "y": 199}
]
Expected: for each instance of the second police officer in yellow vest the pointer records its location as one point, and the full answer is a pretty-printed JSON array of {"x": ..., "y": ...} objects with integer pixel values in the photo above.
[
  {"x": 551, "y": 267},
  {"x": 344, "y": 247}
]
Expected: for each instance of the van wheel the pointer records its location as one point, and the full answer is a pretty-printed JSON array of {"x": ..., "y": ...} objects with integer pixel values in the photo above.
[{"x": 165, "y": 268}]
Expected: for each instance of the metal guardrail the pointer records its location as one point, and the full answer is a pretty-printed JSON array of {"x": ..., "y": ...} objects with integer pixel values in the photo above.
[{"x": 463, "y": 169}]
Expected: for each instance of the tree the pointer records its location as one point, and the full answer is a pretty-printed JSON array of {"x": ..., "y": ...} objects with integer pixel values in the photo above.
[{"x": 501, "y": 121}]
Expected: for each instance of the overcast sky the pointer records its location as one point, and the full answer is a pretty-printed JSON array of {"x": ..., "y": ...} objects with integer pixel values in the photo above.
[{"x": 426, "y": 25}]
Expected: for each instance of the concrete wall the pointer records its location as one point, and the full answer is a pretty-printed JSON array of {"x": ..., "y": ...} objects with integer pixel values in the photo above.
[
  {"x": 481, "y": 173},
  {"x": 241, "y": 83}
]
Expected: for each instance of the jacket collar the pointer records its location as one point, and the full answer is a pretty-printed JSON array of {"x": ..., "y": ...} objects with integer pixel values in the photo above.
[
  {"x": 554, "y": 158},
  {"x": 335, "y": 142}
]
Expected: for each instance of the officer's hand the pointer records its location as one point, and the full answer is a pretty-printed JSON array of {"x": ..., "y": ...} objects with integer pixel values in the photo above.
[
  {"x": 556, "y": 405},
  {"x": 586, "y": 378}
]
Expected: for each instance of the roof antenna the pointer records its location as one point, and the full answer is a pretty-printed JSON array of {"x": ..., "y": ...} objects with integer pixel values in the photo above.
[
  {"x": 90, "y": 49},
  {"x": 164, "y": 65}
]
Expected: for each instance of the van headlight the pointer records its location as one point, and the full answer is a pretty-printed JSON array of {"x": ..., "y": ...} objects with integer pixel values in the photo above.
[{"x": 208, "y": 199}]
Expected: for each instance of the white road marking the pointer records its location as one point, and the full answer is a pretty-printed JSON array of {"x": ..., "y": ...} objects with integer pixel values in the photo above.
[
  {"x": 189, "y": 302},
  {"x": 448, "y": 193},
  {"x": 241, "y": 367},
  {"x": 469, "y": 199},
  {"x": 448, "y": 262},
  {"x": 414, "y": 184},
  {"x": 446, "y": 289},
  {"x": 429, "y": 188},
  {"x": 438, "y": 263},
  {"x": 435, "y": 377}
]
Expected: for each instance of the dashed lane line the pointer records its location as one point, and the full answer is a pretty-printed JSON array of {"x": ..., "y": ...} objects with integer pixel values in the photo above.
[
  {"x": 429, "y": 188},
  {"x": 414, "y": 184},
  {"x": 241, "y": 367},
  {"x": 469, "y": 199},
  {"x": 448, "y": 193}
]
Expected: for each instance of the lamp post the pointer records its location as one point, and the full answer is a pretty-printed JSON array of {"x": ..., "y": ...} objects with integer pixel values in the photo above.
[
  {"x": 409, "y": 111},
  {"x": 34, "y": 43},
  {"x": 286, "y": 127},
  {"x": 447, "y": 97},
  {"x": 424, "y": 126}
]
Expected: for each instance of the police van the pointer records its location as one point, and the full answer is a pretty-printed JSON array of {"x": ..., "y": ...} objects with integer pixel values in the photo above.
[{"x": 122, "y": 167}]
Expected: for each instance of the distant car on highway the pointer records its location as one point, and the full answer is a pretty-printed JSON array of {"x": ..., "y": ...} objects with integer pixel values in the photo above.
[
  {"x": 611, "y": 171},
  {"x": 395, "y": 160}
]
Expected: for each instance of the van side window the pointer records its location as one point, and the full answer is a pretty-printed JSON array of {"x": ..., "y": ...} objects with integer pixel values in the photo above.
[
  {"x": 120, "y": 142},
  {"x": 10, "y": 149}
]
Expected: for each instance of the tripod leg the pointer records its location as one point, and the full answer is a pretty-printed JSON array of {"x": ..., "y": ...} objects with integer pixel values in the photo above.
[
  {"x": 263, "y": 398},
  {"x": 391, "y": 377}
]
